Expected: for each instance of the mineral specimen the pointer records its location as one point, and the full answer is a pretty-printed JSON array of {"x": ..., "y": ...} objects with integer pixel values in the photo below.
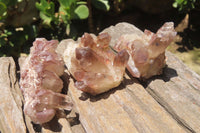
[
  {"x": 93, "y": 64},
  {"x": 40, "y": 82},
  {"x": 147, "y": 52}
]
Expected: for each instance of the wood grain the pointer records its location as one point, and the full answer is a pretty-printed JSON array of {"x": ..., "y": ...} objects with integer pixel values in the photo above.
[
  {"x": 11, "y": 116},
  {"x": 128, "y": 108},
  {"x": 180, "y": 94}
]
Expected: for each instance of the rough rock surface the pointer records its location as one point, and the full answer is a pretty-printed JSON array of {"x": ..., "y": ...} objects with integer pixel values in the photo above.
[{"x": 120, "y": 29}]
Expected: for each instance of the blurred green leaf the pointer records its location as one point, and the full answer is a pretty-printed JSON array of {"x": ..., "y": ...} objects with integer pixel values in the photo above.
[
  {"x": 9, "y": 2},
  {"x": 50, "y": 10},
  {"x": 2, "y": 42},
  {"x": 42, "y": 5},
  {"x": 175, "y": 5},
  {"x": 64, "y": 13},
  {"x": 101, "y": 4},
  {"x": 3, "y": 8},
  {"x": 47, "y": 11},
  {"x": 184, "y": 5},
  {"x": 46, "y": 20},
  {"x": 81, "y": 3},
  {"x": 66, "y": 3},
  {"x": 46, "y": 7},
  {"x": 11, "y": 44},
  {"x": 5, "y": 1},
  {"x": 81, "y": 12}
]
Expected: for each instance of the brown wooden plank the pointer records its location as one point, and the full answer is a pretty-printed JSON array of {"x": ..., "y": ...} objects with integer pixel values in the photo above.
[
  {"x": 11, "y": 116},
  {"x": 100, "y": 116},
  {"x": 128, "y": 108},
  {"x": 78, "y": 129},
  {"x": 178, "y": 91},
  {"x": 183, "y": 71}
]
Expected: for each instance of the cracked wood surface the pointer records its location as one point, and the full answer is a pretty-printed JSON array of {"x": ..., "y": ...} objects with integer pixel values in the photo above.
[
  {"x": 125, "y": 109},
  {"x": 11, "y": 116},
  {"x": 180, "y": 96},
  {"x": 163, "y": 104}
]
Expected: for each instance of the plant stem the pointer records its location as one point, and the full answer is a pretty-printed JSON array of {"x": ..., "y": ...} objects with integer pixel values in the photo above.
[{"x": 90, "y": 20}]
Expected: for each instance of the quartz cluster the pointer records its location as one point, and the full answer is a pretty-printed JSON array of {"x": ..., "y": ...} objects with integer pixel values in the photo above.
[
  {"x": 40, "y": 82},
  {"x": 147, "y": 52},
  {"x": 94, "y": 64}
]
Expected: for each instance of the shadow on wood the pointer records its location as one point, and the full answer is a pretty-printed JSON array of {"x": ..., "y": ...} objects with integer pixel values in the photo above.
[
  {"x": 65, "y": 78},
  {"x": 167, "y": 74},
  {"x": 85, "y": 96},
  {"x": 53, "y": 125},
  {"x": 37, "y": 127}
]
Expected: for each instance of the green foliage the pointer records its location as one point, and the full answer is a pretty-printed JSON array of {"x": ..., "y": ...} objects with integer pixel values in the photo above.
[
  {"x": 60, "y": 19},
  {"x": 68, "y": 10},
  {"x": 4, "y": 5},
  {"x": 13, "y": 39},
  {"x": 3, "y": 9},
  {"x": 47, "y": 11},
  {"x": 101, "y": 4},
  {"x": 184, "y": 5},
  {"x": 81, "y": 12}
]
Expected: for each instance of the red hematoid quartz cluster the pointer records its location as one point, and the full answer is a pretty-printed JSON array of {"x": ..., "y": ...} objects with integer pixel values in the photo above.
[
  {"x": 147, "y": 52},
  {"x": 94, "y": 65},
  {"x": 40, "y": 82}
]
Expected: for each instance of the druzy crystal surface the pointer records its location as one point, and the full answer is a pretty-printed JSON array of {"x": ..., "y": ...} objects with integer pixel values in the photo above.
[{"x": 40, "y": 82}]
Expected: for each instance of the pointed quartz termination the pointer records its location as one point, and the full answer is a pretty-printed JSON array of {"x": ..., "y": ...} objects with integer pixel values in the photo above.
[
  {"x": 41, "y": 107},
  {"x": 94, "y": 65},
  {"x": 40, "y": 82},
  {"x": 147, "y": 52}
]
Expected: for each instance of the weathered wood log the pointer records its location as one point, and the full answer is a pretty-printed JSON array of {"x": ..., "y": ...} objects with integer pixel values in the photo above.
[
  {"x": 11, "y": 115},
  {"x": 178, "y": 91},
  {"x": 128, "y": 108}
]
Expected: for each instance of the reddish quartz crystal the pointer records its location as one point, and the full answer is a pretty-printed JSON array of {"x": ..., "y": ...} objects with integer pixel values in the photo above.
[
  {"x": 40, "y": 82},
  {"x": 94, "y": 65},
  {"x": 147, "y": 52}
]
